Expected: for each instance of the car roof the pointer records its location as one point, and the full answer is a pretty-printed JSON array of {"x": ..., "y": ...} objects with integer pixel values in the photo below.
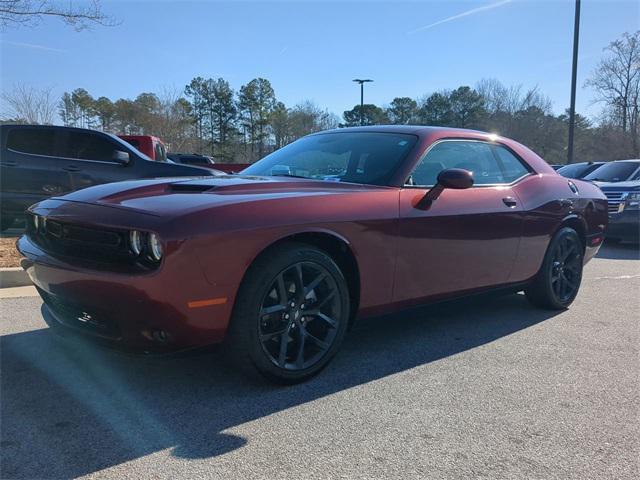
[{"x": 406, "y": 129}]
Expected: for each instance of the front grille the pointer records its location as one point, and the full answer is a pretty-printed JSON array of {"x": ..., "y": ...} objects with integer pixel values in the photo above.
[
  {"x": 85, "y": 319},
  {"x": 614, "y": 199},
  {"x": 85, "y": 246}
]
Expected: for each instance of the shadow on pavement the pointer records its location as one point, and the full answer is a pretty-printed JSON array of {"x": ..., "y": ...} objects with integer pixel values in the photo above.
[
  {"x": 619, "y": 251},
  {"x": 69, "y": 410}
]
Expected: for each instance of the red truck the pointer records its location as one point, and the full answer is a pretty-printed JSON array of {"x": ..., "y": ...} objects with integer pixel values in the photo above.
[
  {"x": 155, "y": 149},
  {"x": 151, "y": 146}
]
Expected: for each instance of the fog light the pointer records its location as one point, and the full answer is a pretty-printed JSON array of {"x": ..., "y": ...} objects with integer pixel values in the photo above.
[
  {"x": 155, "y": 247},
  {"x": 135, "y": 241}
]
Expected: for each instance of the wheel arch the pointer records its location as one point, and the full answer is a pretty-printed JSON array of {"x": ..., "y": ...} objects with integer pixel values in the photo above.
[
  {"x": 334, "y": 245},
  {"x": 577, "y": 223}
]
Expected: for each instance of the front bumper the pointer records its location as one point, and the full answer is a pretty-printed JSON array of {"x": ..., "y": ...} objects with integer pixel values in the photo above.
[
  {"x": 624, "y": 226},
  {"x": 145, "y": 313}
]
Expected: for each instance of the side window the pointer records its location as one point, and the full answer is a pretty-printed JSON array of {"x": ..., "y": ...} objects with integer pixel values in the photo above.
[
  {"x": 512, "y": 168},
  {"x": 490, "y": 164},
  {"x": 160, "y": 153},
  {"x": 34, "y": 141},
  {"x": 88, "y": 146}
]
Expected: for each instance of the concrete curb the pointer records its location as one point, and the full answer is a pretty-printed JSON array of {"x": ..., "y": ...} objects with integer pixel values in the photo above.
[{"x": 13, "y": 277}]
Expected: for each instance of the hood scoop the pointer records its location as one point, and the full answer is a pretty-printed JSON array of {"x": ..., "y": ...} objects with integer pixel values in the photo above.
[{"x": 188, "y": 187}]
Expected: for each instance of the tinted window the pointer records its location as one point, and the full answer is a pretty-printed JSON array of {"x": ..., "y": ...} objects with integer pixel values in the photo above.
[
  {"x": 88, "y": 146},
  {"x": 574, "y": 171},
  {"x": 33, "y": 140},
  {"x": 613, "y": 172},
  {"x": 490, "y": 164},
  {"x": 365, "y": 157}
]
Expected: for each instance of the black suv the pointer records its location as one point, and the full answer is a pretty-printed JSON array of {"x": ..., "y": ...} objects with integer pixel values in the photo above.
[{"x": 38, "y": 161}]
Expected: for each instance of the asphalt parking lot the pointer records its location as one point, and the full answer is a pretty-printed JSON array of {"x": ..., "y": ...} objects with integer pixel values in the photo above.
[{"x": 489, "y": 388}]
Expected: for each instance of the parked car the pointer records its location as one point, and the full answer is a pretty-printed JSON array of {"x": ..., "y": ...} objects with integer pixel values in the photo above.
[
  {"x": 40, "y": 161},
  {"x": 191, "y": 159},
  {"x": 579, "y": 170},
  {"x": 279, "y": 260},
  {"x": 617, "y": 171},
  {"x": 151, "y": 146},
  {"x": 620, "y": 182},
  {"x": 556, "y": 167}
]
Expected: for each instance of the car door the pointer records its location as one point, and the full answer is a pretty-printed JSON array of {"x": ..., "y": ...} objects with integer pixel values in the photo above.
[
  {"x": 30, "y": 168},
  {"x": 466, "y": 239},
  {"x": 91, "y": 157}
]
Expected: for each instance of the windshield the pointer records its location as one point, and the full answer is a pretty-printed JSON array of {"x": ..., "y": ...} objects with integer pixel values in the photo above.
[
  {"x": 613, "y": 172},
  {"x": 356, "y": 157}
]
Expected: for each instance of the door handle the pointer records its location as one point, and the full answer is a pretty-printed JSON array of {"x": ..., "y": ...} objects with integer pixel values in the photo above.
[
  {"x": 71, "y": 168},
  {"x": 9, "y": 163},
  {"x": 509, "y": 202}
]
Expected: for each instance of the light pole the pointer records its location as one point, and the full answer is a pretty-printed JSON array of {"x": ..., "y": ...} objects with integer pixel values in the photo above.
[
  {"x": 362, "y": 82},
  {"x": 574, "y": 73}
]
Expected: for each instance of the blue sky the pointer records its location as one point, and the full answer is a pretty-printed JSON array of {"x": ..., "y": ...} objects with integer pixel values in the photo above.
[{"x": 312, "y": 50}]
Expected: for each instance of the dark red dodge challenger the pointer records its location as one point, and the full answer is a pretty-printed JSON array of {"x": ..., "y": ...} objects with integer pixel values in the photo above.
[{"x": 277, "y": 261}]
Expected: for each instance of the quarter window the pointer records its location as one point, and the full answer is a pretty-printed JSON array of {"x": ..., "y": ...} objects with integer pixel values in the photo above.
[{"x": 491, "y": 164}]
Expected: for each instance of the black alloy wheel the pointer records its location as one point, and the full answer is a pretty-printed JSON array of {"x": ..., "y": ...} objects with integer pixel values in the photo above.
[
  {"x": 291, "y": 313},
  {"x": 558, "y": 281},
  {"x": 299, "y": 318}
]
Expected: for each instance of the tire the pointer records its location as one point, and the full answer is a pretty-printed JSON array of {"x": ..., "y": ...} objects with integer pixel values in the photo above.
[
  {"x": 557, "y": 283},
  {"x": 284, "y": 331},
  {"x": 6, "y": 222}
]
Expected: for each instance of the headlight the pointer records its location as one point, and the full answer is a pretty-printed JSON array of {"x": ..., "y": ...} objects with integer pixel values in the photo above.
[
  {"x": 135, "y": 241},
  {"x": 632, "y": 201},
  {"x": 155, "y": 247}
]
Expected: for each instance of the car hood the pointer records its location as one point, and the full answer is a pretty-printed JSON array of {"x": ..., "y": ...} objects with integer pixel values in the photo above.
[
  {"x": 175, "y": 196},
  {"x": 608, "y": 186}
]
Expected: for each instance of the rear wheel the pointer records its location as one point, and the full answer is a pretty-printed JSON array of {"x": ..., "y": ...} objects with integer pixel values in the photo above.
[
  {"x": 558, "y": 281},
  {"x": 291, "y": 313}
]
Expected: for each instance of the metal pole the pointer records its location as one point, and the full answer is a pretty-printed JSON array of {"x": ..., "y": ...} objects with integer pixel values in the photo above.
[
  {"x": 361, "y": 103},
  {"x": 574, "y": 73},
  {"x": 362, "y": 82}
]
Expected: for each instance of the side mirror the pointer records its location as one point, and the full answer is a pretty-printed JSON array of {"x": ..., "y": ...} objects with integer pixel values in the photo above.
[
  {"x": 454, "y": 178},
  {"x": 121, "y": 157}
]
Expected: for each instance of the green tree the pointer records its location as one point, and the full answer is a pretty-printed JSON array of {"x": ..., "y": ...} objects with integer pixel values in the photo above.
[
  {"x": 402, "y": 110},
  {"x": 256, "y": 102},
  {"x": 436, "y": 110},
  {"x": 104, "y": 110},
  {"x": 467, "y": 108},
  {"x": 196, "y": 92},
  {"x": 371, "y": 115}
]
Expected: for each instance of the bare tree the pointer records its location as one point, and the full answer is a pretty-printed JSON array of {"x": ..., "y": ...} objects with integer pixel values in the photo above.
[
  {"x": 79, "y": 15},
  {"x": 616, "y": 81},
  {"x": 30, "y": 105}
]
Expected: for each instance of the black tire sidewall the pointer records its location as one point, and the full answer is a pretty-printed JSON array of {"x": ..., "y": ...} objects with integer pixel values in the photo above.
[
  {"x": 244, "y": 329},
  {"x": 545, "y": 273}
]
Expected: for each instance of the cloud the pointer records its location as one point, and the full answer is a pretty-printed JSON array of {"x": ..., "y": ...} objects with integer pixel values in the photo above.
[
  {"x": 473, "y": 11},
  {"x": 34, "y": 46}
]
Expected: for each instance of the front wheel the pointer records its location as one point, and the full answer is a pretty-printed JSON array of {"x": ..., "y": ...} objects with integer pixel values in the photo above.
[
  {"x": 558, "y": 281},
  {"x": 291, "y": 313}
]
